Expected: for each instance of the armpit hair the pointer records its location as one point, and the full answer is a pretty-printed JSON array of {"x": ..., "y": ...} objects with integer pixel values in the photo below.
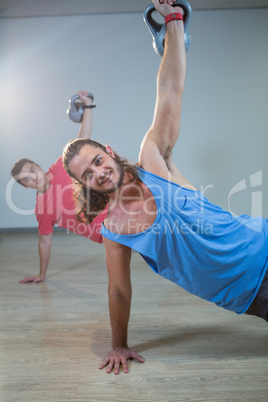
[{"x": 167, "y": 158}]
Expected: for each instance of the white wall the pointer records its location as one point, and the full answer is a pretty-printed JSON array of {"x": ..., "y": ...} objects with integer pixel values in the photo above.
[{"x": 223, "y": 137}]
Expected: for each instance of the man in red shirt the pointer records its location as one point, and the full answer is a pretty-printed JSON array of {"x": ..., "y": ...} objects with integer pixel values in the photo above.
[{"x": 54, "y": 198}]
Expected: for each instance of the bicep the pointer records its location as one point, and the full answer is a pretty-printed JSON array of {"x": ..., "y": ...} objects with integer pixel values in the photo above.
[{"x": 157, "y": 145}]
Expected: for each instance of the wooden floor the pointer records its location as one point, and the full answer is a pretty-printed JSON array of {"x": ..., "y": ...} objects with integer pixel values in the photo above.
[{"x": 54, "y": 335}]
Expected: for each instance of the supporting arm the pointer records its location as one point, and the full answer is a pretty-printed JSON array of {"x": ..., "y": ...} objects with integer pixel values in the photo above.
[
  {"x": 119, "y": 292},
  {"x": 44, "y": 248}
]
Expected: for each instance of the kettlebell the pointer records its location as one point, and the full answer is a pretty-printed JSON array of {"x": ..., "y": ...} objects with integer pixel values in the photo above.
[
  {"x": 158, "y": 31},
  {"x": 75, "y": 110}
]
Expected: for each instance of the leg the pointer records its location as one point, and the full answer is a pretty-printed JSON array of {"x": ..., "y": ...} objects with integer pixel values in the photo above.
[{"x": 259, "y": 306}]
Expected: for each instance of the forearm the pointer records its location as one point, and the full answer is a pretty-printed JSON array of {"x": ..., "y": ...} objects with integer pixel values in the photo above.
[
  {"x": 86, "y": 125},
  {"x": 119, "y": 306},
  {"x": 87, "y": 120},
  {"x": 44, "y": 248},
  {"x": 119, "y": 290},
  {"x": 172, "y": 72}
]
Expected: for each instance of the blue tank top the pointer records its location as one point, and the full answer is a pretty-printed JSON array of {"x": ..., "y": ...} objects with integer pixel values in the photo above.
[{"x": 199, "y": 246}]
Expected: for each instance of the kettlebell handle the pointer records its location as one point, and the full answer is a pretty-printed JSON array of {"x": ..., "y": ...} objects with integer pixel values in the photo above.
[
  {"x": 153, "y": 26},
  {"x": 158, "y": 30},
  {"x": 75, "y": 110},
  {"x": 187, "y": 12},
  {"x": 77, "y": 104},
  {"x": 182, "y": 3}
]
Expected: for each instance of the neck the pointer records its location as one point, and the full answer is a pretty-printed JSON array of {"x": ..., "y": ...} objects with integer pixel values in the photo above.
[{"x": 127, "y": 192}]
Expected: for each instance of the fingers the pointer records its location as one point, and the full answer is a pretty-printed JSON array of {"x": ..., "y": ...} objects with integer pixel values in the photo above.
[
  {"x": 84, "y": 97},
  {"x": 125, "y": 366},
  {"x": 137, "y": 357},
  {"x": 33, "y": 279},
  {"x": 104, "y": 363},
  {"x": 158, "y": 2},
  {"x": 26, "y": 280},
  {"x": 82, "y": 93},
  {"x": 114, "y": 364},
  {"x": 110, "y": 367},
  {"x": 164, "y": 7}
]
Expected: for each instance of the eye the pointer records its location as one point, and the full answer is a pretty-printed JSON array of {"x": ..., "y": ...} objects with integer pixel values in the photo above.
[
  {"x": 26, "y": 179},
  {"x": 98, "y": 161}
]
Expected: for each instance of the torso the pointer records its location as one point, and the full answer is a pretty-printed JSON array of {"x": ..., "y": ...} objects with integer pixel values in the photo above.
[{"x": 131, "y": 216}]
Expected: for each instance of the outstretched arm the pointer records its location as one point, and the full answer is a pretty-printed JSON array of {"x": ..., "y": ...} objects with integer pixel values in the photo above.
[
  {"x": 157, "y": 145},
  {"x": 119, "y": 292},
  {"x": 86, "y": 125}
]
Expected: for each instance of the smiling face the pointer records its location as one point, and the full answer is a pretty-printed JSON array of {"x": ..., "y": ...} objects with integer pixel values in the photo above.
[
  {"x": 32, "y": 176},
  {"x": 97, "y": 169}
]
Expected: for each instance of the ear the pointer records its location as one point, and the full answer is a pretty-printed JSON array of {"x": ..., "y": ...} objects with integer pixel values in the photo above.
[{"x": 109, "y": 151}]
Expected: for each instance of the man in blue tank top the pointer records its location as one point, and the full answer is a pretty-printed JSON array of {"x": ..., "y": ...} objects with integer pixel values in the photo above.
[{"x": 157, "y": 212}]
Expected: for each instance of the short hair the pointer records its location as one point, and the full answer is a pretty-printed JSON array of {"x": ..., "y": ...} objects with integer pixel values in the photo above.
[{"x": 17, "y": 168}]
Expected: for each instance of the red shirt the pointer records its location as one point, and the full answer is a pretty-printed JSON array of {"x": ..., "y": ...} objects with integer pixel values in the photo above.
[{"x": 56, "y": 206}]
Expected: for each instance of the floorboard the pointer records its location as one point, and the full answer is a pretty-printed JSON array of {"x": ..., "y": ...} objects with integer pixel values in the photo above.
[{"x": 54, "y": 335}]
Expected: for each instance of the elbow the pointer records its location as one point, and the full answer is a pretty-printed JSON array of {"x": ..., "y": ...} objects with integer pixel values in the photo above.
[
  {"x": 170, "y": 99},
  {"x": 45, "y": 240},
  {"x": 172, "y": 90},
  {"x": 169, "y": 106},
  {"x": 123, "y": 295}
]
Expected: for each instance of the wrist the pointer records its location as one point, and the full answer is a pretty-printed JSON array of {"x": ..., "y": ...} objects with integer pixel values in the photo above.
[
  {"x": 120, "y": 347},
  {"x": 119, "y": 343},
  {"x": 88, "y": 106},
  {"x": 88, "y": 101},
  {"x": 173, "y": 17},
  {"x": 171, "y": 10}
]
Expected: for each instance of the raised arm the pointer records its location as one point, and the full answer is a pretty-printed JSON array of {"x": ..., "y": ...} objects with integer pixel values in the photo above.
[
  {"x": 119, "y": 292},
  {"x": 44, "y": 248},
  {"x": 86, "y": 125},
  {"x": 159, "y": 141}
]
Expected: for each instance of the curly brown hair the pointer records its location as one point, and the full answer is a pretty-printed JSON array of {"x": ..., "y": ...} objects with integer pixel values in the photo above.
[{"x": 89, "y": 203}]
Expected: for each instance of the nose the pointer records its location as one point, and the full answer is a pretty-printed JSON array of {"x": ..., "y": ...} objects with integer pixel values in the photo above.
[
  {"x": 99, "y": 175},
  {"x": 98, "y": 172},
  {"x": 32, "y": 177},
  {"x": 35, "y": 177}
]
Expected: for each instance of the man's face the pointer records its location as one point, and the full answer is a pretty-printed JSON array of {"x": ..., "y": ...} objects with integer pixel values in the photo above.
[
  {"x": 97, "y": 169},
  {"x": 32, "y": 176}
]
